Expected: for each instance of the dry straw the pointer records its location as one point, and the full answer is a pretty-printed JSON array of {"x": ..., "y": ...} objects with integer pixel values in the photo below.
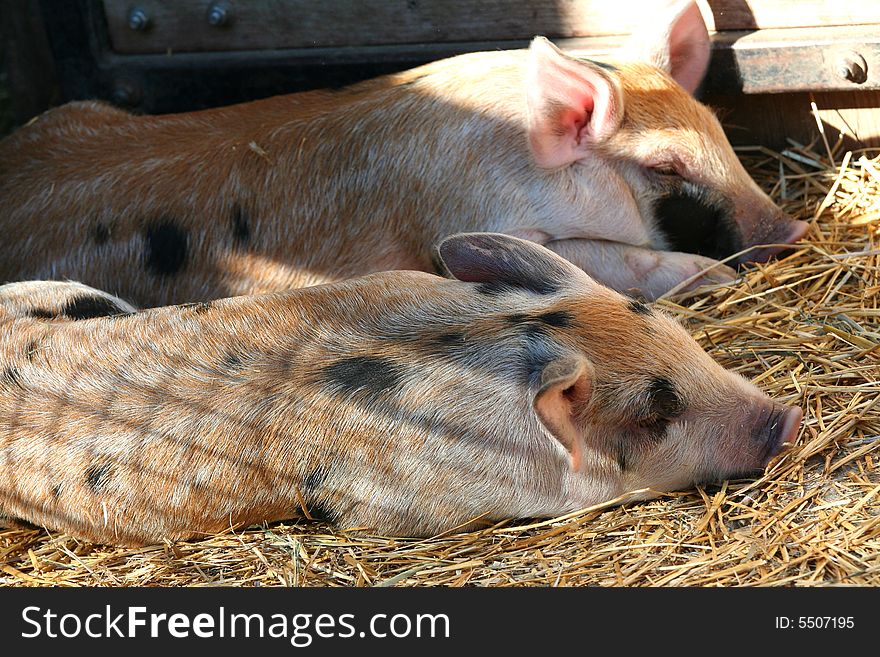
[{"x": 804, "y": 328}]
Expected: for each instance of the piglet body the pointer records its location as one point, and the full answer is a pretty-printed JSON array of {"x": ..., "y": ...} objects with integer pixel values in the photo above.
[
  {"x": 400, "y": 401},
  {"x": 612, "y": 164}
]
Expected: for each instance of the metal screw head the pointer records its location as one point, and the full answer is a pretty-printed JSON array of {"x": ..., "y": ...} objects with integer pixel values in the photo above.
[
  {"x": 219, "y": 14},
  {"x": 138, "y": 19},
  {"x": 852, "y": 67},
  {"x": 126, "y": 93}
]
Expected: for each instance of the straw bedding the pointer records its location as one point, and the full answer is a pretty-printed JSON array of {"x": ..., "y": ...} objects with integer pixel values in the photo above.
[{"x": 805, "y": 329}]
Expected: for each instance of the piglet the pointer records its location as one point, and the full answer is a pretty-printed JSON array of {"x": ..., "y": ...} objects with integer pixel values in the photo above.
[
  {"x": 610, "y": 162},
  {"x": 400, "y": 401}
]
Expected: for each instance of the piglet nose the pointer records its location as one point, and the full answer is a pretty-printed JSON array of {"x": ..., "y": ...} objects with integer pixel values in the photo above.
[
  {"x": 791, "y": 425},
  {"x": 777, "y": 233},
  {"x": 797, "y": 230},
  {"x": 785, "y": 231},
  {"x": 777, "y": 427}
]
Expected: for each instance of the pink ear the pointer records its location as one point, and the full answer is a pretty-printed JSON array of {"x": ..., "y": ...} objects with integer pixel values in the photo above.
[
  {"x": 572, "y": 105},
  {"x": 565, "y": 386},
  {"x": 688, "y": 47},
  {"x": 676, "y": 41}
]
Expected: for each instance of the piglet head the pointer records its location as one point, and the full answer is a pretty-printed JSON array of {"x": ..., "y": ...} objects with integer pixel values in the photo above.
[
  {"x": 632, "y": 123},
  {"x": 620, "y": 386}
]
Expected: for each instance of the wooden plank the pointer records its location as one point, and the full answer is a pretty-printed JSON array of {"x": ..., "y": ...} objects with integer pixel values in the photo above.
[
  {"x": 772, "y": 14},
  {"x": 192, "y": 81},
  {"x": 28, "y": 60},
  {"x": 780, "y": 60},
  {"x": 163, "y": 83},
  {"x": 769, "y": 119},
  {"x": 268, "y": 24},
  {"x": 184, "y": 26},
  {"x": 796, "y": 59}
]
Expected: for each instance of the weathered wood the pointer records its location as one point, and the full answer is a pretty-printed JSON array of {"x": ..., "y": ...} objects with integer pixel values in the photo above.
[
  {"x": 88, "y": 68},
  {"x": 797, "y": 59},
  {"x": 780, "y": 60},
  {"x": 771, "y": 14},
  {"x": 184, "y": 26},
  {"x": 769, "y": 119},
  {"x": 28, "y": 60}
]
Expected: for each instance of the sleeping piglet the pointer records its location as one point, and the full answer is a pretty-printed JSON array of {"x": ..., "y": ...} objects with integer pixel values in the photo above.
[
  {"x": 400, "y": 401},
  {"x": 611, "y": 163}
]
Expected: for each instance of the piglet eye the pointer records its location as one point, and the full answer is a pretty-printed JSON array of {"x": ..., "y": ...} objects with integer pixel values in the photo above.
[{"x": 665, "y": 170}]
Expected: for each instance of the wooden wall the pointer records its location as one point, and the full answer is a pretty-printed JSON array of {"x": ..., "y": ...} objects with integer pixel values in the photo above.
[
  {"x": 183, "y": 25},
  {"x": 256, "y": 29}
]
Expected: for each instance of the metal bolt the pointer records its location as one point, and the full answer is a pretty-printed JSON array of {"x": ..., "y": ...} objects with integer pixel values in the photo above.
[
  {"x": 219, "y": 14},
  {"x": 852, "y": 67},
  {"x": 138, "y": 19},
  {"x": 126, "y": 93}
]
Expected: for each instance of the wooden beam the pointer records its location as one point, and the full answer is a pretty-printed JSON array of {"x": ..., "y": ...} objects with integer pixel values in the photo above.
[
  {"x": 33, "y": 86},
  {"x": 189, "y": 25},
  {"x": 770, "y": 119},
  {"x": 796, "y": 59}
]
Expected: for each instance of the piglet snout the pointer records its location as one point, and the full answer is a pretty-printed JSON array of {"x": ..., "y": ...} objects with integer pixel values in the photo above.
[
  {"x": 776, "y": 425},
  {"x": 783, "y": 231}
]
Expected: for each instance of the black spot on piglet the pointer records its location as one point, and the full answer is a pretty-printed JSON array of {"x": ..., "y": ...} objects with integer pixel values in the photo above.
[
  {"x": 231, "y": 361},
  {"x": 451, "y": 338},
  {"x": 621, "y": 458},
  {"x": 557, "y": 318},
  {"x": 241, "y": 226},
  {"x": 317, "y": 506},
  {"x": 494, "y": 288},
  {"x": 370, "y": 373},
  {"x": 694, "y": 224},
  {"x": 166, "y": 248},
  {"x": 314, "y": 480},
  {"x": 101, "y": 234},
  {"x": 639, "y": 307},
  {"x": 665, "y": 400},
  {"x": 96, "y": 476},
  {"x": 41, "y": 313},
  {"x": 31, "y": 349},
  {"x": 11, "y": 377},
  {"x": 320, "y": 510},
  {"x": 88, "y": 306},
  {"x": 536, "y": 325}
]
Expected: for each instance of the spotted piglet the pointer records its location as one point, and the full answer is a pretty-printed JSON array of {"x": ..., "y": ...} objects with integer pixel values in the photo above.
[
  {"x": 400, "y": 401},
  {"x": 611, "y": 163}
]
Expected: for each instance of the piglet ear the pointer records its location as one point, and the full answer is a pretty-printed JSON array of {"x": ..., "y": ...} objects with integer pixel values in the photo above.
[
  {"x": 565, "y": 386},
  {"x": 675, "y": 41},
  {"x": 500, "y": 260},
  {"x": 572, "y": 105}
]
